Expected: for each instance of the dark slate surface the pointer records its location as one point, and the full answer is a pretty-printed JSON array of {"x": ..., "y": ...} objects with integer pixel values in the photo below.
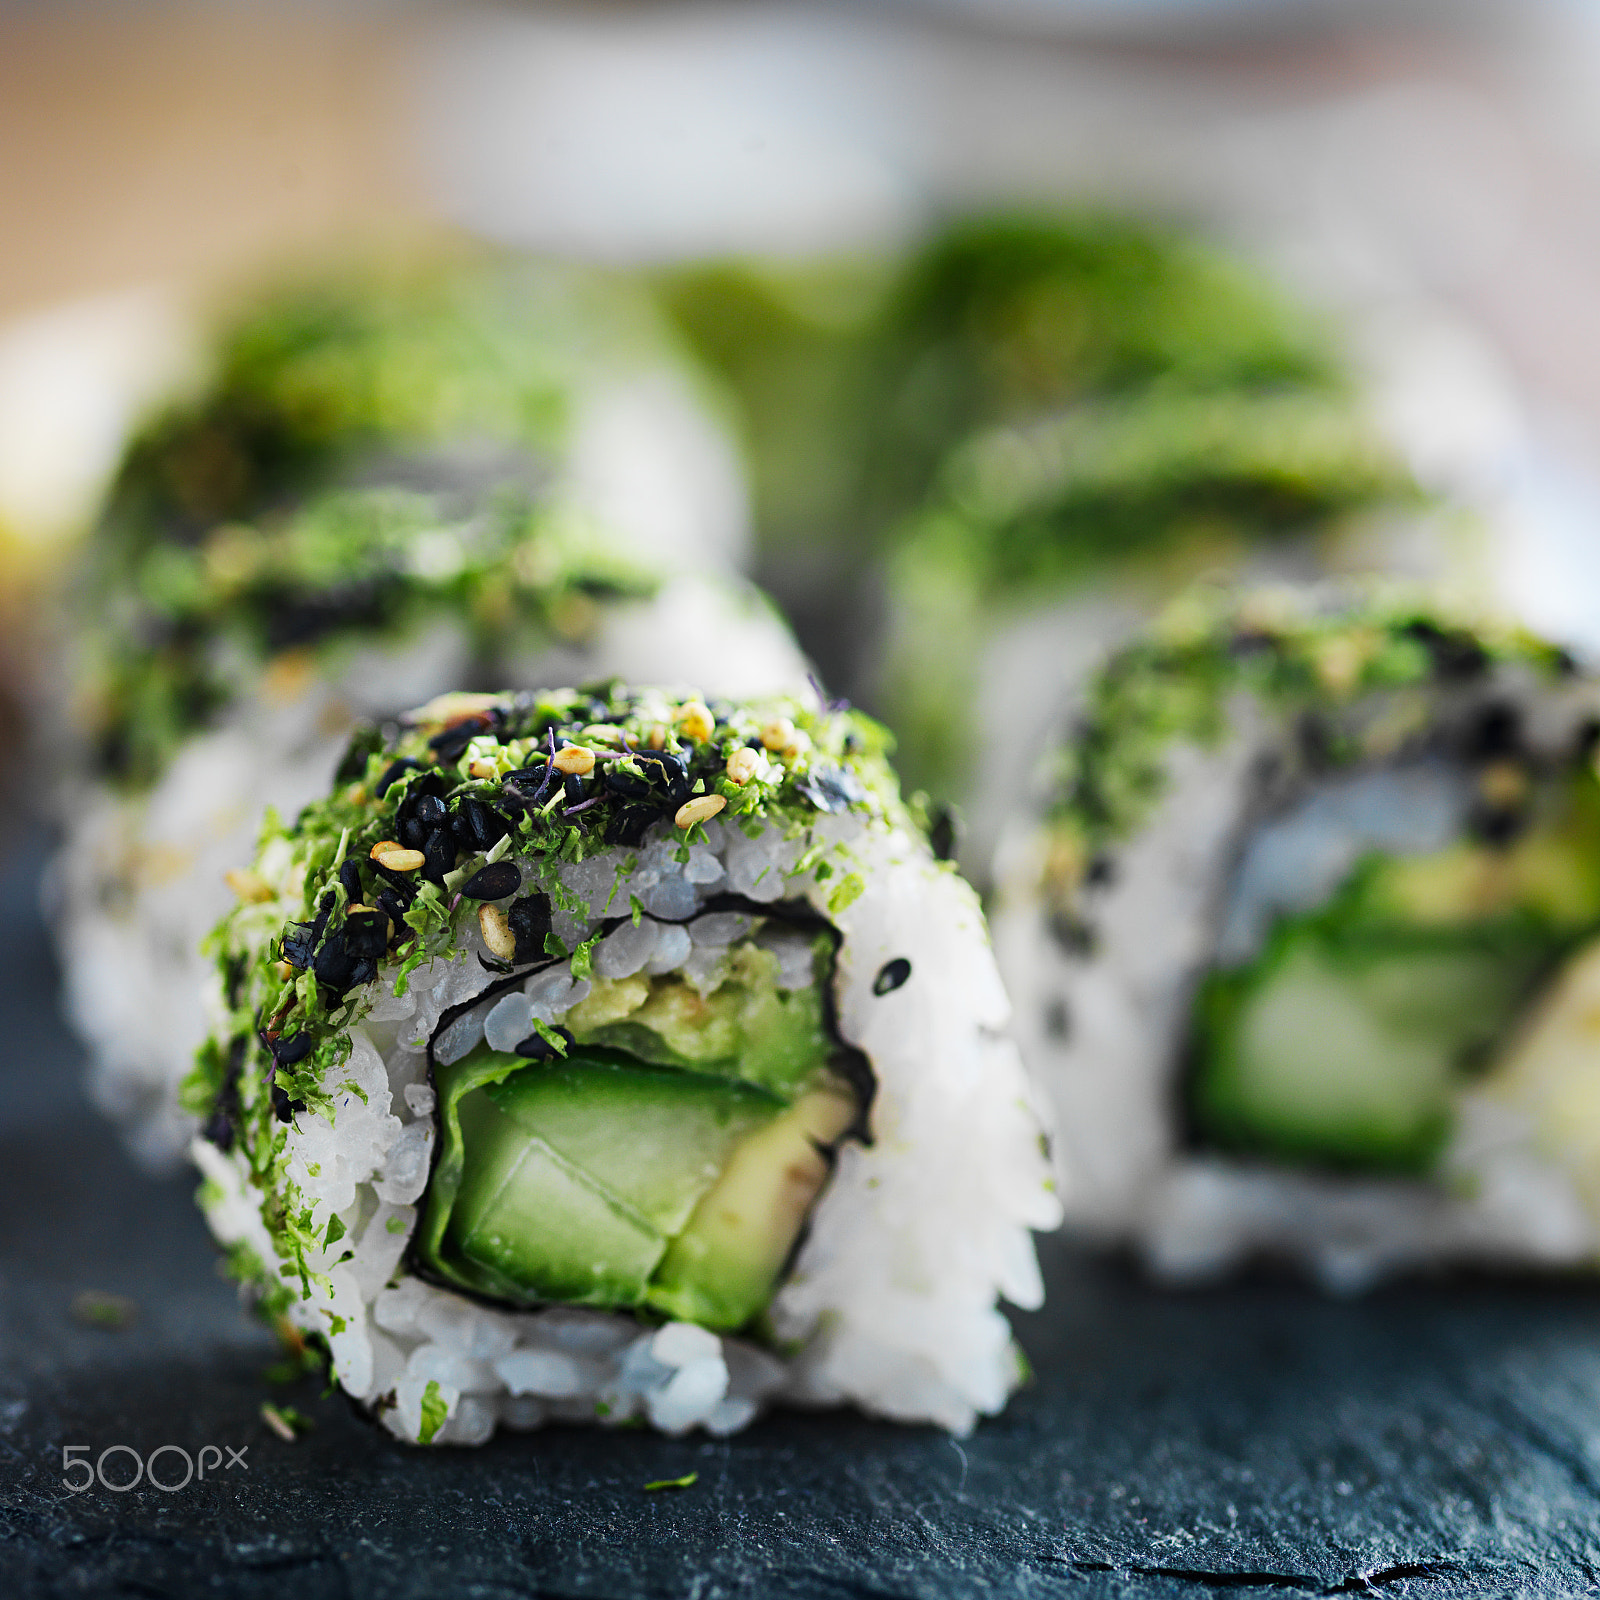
[{"x": 1433, "y": 1440}]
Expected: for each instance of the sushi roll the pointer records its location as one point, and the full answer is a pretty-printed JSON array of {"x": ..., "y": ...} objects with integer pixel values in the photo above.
[
  {"x": 1088, "y": 413},
  {"x": 1009, "y": 446},
  {"x": 619, "y": 1055},
  {"x": 1303, "y": 942},
  {"x": 393, "y": 485}
]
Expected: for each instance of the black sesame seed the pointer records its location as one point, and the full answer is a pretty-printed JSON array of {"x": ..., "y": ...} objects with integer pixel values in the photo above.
[
  {"x": 391, "y": 774},
  {"x": 1497, "y": 731},
  {"x": 391, "y": 905},
  {"x": 429, "y": 810},
  {"x": 493, "y": 882},
  {"x": 1498, "y": 826},
  {"x": 891, "y": 975},
  {"x": 1101, "y": 870},
  {"x": 286, "y": 1052},
  {"x": 438, "y": 856},
  {"x": 630, "y": 824},
  {"x": 1072, "y": 935},
  {"x": 538, "y": 1048},
  {"x": 334, "y": 968},
  {"x": 942, "y": 833},
  {"x": 283, "y": 1107},
  {"x": 453, "y": 741},
  {"x": 529, "y": 782},
  {"x": 484, "y": 824},
  {"x": 401, "y": 889},
  {"x": 1057, "y": 1021},
  {"x": 350, "y": 877},
  {"x": 1456, "y": 654},
  {"x": 619, "y": 780}
]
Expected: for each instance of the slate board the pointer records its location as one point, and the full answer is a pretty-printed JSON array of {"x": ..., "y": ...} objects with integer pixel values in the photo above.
[{"x": 1431, "y": 1440}]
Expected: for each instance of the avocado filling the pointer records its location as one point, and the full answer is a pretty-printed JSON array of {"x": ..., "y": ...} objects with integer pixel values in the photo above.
[
  {"x": 668, "y": 1159},
  {"x": 1348, "y": 1036}
]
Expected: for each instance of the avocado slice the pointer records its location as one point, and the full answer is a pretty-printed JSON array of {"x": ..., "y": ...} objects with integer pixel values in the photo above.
[
  {"x": 721, "y": 1270},
  {"x": 747, "y": 1027}
]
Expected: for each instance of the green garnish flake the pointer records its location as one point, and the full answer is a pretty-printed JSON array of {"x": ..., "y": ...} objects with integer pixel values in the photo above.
[
  {"x": 687, "y": 1481},
  {"x": 96, "y": 1309},
  {"x": 435, "y": 1412}
]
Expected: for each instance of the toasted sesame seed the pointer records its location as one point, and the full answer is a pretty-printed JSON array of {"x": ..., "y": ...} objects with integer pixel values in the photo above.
[
  {"x": 397, "y": 859},
  {"x": 657, "y": 737},
  {"x": 798, "y": 745},
  {"x": 483, "y": 767},
  {"x": 778, "y": 734},
  {"x": 743, "y": 764},
  {"x": 574, "y": 758},
  {"x": 700, "y": 809},
  {"x": 696, "y": 721},
  {"x": 248, "y": 885},
  {"x": 1502, "y": 783},
  {"x": 283, "y": 969},
  {"x": 496, "y": 931}
]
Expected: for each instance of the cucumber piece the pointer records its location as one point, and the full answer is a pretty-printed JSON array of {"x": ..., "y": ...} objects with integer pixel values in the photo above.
[
  {"x": 722, "y": 1269},
  {"x": 653, "y": 1137},
  {"x": 1349, "y": 1048},
  {"x": 533, "y": 1221}
]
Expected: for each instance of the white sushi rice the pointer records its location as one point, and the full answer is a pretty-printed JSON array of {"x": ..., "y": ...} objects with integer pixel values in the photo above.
[
  {"x": 891, "y": 1304},
  {"x": 1196, "y": 887}
]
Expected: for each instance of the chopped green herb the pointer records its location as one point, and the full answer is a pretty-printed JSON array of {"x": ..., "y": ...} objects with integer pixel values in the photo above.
[
  {"x": 435, "y": 1412},
  {"x": 687, "y": 1481}
]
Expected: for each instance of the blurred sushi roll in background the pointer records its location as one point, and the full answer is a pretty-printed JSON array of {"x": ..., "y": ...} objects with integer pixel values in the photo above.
[
  {"x": 1019, "y": 439},
  {"x": 1302, "y": 941},
  {"x": 621, "y": 1055},
  {"x": 393, "y": 482}
]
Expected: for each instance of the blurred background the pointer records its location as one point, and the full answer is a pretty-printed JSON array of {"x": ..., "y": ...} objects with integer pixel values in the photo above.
[{"x": 1418, "y": 177}]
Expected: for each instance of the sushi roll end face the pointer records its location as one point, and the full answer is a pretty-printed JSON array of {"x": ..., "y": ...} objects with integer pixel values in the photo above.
[
  {"x": 610, "y": 1054},
  {"x": 1300, "y": 943}
]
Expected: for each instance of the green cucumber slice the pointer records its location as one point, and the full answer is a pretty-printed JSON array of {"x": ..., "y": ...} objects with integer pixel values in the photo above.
[
  {"x": 653, "y": 1137},
  {"x": 1348, "y": 1049},
  {"x": 534, "y": 1222}
]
